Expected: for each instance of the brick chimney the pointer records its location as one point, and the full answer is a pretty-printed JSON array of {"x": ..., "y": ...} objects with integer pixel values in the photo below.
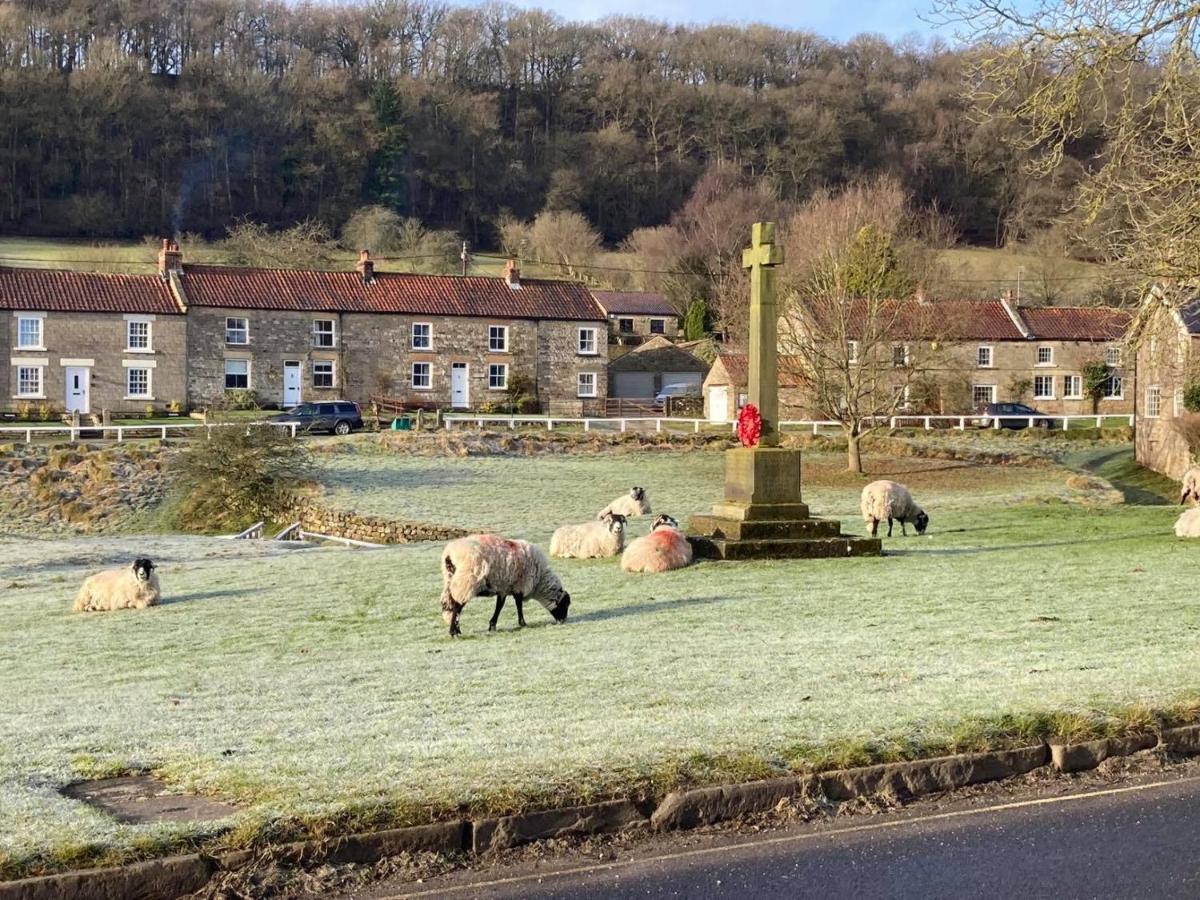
[
  {"x": 170, "y": 258},
  {"x": 365, "y": 267},
  {"x": 512, "y": 274}
]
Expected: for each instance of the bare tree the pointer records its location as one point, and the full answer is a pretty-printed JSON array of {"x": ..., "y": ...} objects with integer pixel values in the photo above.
[
  {"x": 565, "y": 238},
  {"x": 852, "y": 333}
]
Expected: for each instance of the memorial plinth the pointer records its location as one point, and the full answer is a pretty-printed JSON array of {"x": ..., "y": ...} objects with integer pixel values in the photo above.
[{"x": 763, "y": 516}]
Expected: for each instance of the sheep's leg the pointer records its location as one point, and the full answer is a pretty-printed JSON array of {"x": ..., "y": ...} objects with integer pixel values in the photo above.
[
  {"x": 496, "y": 615},
  {"x": 874, "y": 527},
  {"x": 889, "y": 526},
  {"x": 903, "y": 530},
  {"x": 520, "y": 601}
]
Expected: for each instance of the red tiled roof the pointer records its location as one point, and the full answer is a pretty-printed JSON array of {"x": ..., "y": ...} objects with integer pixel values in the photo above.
[
  {"x": 1076, "y": 323},
  {"x": 737, "y": 367},
  {"x": 52, "y": 290},
  {"x": 963, "y": 320},
  {"x": 635, "y": 303},
  {"x": 390, "y": 292}
]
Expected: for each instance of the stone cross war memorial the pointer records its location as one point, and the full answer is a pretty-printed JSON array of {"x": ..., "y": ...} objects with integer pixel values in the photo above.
[{"x": 762, "y": 515}]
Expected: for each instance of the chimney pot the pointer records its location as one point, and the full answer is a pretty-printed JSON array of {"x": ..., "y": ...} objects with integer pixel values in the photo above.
[
  {"x": 170, "y": 258},
  {"x": 365, "y": 267}
]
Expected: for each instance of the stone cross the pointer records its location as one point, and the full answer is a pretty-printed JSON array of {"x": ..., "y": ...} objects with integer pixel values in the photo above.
[{"x": 761, "y": 258}]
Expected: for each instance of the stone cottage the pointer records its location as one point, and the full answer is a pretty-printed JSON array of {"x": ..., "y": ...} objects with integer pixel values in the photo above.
[
  {"x": 1166, "y": 334},
  {"x": 987, "y": 351},
  {"x": 86, "y": 341},
  {"x": 422, "y": 340},
  {"x": 637, "y": 316}
]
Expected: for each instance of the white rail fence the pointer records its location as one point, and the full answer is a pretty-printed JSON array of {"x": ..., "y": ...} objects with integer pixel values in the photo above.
[
  {"x": 125, "y": 432},
  {"x": 928, "y": 423}
]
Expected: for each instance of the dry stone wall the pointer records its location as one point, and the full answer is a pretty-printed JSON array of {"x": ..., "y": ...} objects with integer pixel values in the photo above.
[{"x": 312, "y": 516}]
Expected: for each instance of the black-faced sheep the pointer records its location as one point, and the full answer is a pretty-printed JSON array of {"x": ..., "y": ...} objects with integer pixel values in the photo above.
[
  {"x": 485, "y": 564},
  {"x": 133, "y": 587},
  {"x": 663, "y": 549},
  {"x": 890, "y": 500},
  {"x": 630, "y": 505},
  {"x": 1190, "y": 487},
  {"x": 590, "y": 540}
]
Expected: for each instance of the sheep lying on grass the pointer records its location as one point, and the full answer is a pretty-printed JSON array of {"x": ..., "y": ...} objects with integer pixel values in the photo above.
[
  {"x": 663, "y": 549},
  {"x": 1190, "y": 487},
  {"x": 1188, "y": 525},
  {"x": 133, "y": 587},
  {"x": 630, "y": 505},
  {"x": 485, "y": 564},
  {"x": 590, "y": 540},
  {"x": 889, "y": 500}
]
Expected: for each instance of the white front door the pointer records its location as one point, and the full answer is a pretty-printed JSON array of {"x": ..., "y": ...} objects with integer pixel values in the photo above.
[
  {"x": 79, "y": 383},
  {"x": 460, "y": 386},
  {"x": 291, "y": 384},
  {"x": 718, "y": 404}
]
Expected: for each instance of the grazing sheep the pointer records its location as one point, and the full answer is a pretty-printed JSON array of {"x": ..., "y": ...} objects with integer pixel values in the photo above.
[
  {"x": 133, "y": 587},
  {"x": 487, "y": 564},
  {"x": 591, "y": 539},
  {"x": 1188, "y": 524},
  {"x": 890, "y": 500},
  {"x": 663, "y": 549},
  {"x": 630, "y": 505},
  {"x": 1190, "y": 486}
]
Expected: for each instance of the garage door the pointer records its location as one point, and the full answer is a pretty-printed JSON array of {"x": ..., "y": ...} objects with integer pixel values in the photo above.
[
  {"x": 632, "y": 384},
  {"x": 695, "y": 379}
]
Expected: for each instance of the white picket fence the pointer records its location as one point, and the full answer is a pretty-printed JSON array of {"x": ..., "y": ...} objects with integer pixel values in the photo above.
[
  {"x": 959, "y": 423},
  {"x": 126, "y": 432}
]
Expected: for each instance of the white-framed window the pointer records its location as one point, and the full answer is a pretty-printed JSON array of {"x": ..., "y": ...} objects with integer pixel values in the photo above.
[
  {"x": 587, "y": 343},
  {"x": 1073, "y": 387},
  {"x": 1114, "y": 388},
  {"x": 29, "y": 381},
  {"x": 586, "y": 384},
  {"x": 852, "y": 351},
  {"x": 137, "y": 384},
  {"x": 498, "y": 338},
  {"x": 237, "y": 330},
  {"x": 899, "y": 355},
  {"x": 1112, "y": 356},
  {"x": 498, "y": 377},
  {"x": 625, "y": 326},
  {"x": 422, "y": 376},
  {"x": 983, "y": 357},
  {"x": 29, "y": 333},
  {"x": 324, "y": 333},
  {"x": 139, "y": 336},
  {"x": 658, "y": 326},
  {"x": 1153, "y": 401},
  {"x": 1043, "y": 387},
  {"x": 322, "y": 373},
  {"x": 983, "y": 394},
  {"x": 422, "y": 336},
  {"x": 237, "y": 374},
  {"x": 1045, "y": 356}
]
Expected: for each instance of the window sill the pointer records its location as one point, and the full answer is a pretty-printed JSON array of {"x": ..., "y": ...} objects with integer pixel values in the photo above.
[
  {"x": 497, "y": 390},
  {"x": 978, "y": 367},
  {"x": 41, "y": 349},
  {"x": 1048, "y": 365},
  {"x": 588, "y": 353},
  {"x": 493, "y": 350},
  {"x": 146, "y": 399},
  {"x": 415, "y": 388},
  {"x": 145, "y": 351},
  {"x": 1080, "y": 397},
  {"x": 585, "y": 396},
  {"x": 324, "y": 346},
  {"x": 422, "y": 349},
  {"x": 29, "y": 396}
]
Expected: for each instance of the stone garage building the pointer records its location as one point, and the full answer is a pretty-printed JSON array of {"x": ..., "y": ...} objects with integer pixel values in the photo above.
[
  {"x": 648, "y": 368},
  {"x": 88, "y": 342},
  {"x": 421, "y": 340}
]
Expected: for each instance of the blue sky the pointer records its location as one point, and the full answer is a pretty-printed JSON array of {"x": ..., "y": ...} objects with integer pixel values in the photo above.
[{"x": 838, "y": 19}]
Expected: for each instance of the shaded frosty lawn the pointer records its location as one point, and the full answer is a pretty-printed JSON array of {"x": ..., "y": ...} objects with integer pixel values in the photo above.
[{"x": 304, "y": 682}]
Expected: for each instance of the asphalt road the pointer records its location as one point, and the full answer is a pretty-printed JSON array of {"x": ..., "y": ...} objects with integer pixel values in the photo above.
[{"x": 1133, "y": 841}]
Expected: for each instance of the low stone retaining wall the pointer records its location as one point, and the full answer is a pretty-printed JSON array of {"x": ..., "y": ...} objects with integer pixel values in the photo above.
[
  {"x": 312, "y": 516},
  {"x": 178, "y": 875}
]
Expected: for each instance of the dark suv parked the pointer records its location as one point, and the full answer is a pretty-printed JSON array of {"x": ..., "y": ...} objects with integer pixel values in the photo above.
[
  {"x": 340, "y": 417},
  {"x": 1018, "y": 412}
]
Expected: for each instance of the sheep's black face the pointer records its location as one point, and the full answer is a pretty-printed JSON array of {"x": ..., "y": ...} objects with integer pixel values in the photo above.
[
  {"x": 142, "y": 569},
  {"x": 616, "y": 524},
  {"x": 637, "y": 493},
  {"x": 560, "y": 608},
  {"x": 664, "y": 521},
  {"x": 922, "y": 522}
]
